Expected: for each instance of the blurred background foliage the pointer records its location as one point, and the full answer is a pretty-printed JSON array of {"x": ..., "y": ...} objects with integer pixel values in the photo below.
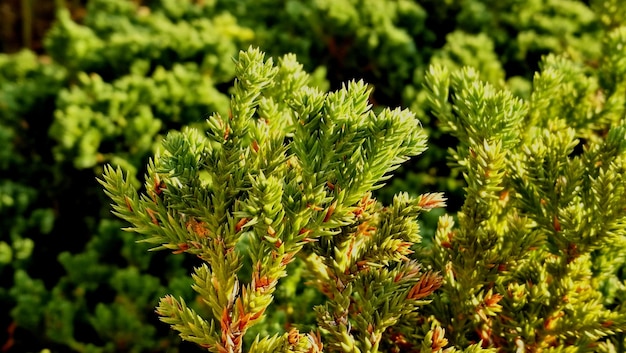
[{"x": 89, "y": 82}]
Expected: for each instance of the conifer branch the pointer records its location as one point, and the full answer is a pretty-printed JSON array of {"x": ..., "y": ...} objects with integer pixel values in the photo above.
[
  {"x": 539, "y": 209},
  {"x": 287, "y": 177}
]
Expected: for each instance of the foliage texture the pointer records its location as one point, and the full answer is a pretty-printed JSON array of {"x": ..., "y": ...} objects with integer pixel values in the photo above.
[{"x": 289, "y": 174}]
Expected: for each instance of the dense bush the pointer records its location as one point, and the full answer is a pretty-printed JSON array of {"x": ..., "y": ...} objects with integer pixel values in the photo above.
[{"x": 109, "y": 87}]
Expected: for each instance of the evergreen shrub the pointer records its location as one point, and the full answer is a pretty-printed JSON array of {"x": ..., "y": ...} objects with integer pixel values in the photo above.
[
  {"x": 115, "y": 81},
  {"x": 287, "y": 177}
]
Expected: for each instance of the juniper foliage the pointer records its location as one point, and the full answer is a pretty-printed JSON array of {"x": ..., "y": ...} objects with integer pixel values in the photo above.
[
  {"x": 290, "y": 173},
  {"x": 532, "y": 261}
]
